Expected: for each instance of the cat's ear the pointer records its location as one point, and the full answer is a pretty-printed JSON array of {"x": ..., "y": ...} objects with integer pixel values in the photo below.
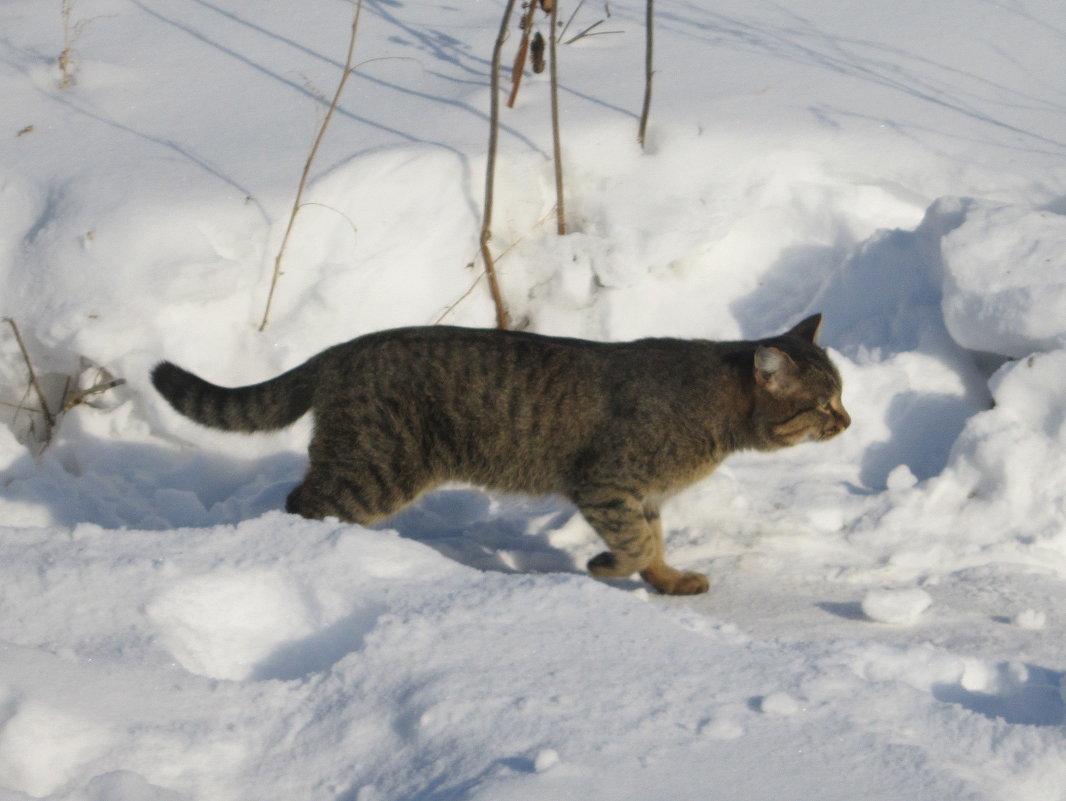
[
  {"x": 807, "y": 329},
  {"x": 774, "y": 370}
]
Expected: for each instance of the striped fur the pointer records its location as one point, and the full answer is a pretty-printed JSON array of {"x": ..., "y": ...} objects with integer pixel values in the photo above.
[
  {"x": 615, "y": 427},
  {"x": 268, "y": 406}
]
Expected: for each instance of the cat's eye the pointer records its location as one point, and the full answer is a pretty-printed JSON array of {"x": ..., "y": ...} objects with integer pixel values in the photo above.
[{"x": 825, "y": 406}]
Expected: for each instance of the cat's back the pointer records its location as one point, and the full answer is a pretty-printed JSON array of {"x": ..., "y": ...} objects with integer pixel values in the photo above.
[
  {"x": 466, "y": 354},
  {"x": 491, "y": 361},
  {"x": 473, "y": 376}
]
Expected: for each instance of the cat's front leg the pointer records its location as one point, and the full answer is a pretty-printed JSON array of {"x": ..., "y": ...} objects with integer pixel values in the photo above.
[
  {"x": 671, "y": 581},
  {"x": 617, "y": 515},
  {"x": 633, "y": 531},
  {"x": 666, "y": 579}
]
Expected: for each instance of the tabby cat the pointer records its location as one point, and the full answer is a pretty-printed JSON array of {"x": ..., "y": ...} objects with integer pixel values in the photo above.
[{"x": 615, "y": 427}]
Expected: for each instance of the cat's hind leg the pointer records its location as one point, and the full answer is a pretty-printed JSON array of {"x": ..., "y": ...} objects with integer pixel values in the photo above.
[
  {"x": 354, "y": 490},
  {"x": 361, "y": 471},
  {"x": 321, "y": 495}
]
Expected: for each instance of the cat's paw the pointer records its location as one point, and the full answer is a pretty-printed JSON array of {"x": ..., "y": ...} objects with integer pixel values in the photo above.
[
  {"x": 690, "y": 583},
  {"x": 675, "y": 582},
  {"x": 604, "y": 565}
]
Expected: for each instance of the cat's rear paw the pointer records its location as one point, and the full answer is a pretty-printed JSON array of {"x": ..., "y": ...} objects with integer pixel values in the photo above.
[
  {"x": 675, "y": 582},
  {"x": 604, "y": 565},
  {"x": 612, "y": 565}
]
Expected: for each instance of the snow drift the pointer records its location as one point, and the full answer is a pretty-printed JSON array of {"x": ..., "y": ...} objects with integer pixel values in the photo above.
[{"x": 883, "y": 620}]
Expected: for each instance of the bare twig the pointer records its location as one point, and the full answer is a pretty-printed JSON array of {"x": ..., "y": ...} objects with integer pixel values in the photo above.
[
  {"x": 561, "y": 37},
  {"x": 589, "y": 34},
  {"x": 649, "y": 27},
  {"x": 448, "y": 310},
  {"x": 570, "y": 19},
  {"x": 560, "y": 209},
  {"x": 336, "y": 211},
  {"x": 82, "y": 395},
  {"x": 502, "y": 318},
  {"x": 48, "y": 416},
  {"x": 18, "y": 407},
  {"x": 36, "y": 436},
  {"x": 585, "y": 32},
  {"x": 310, "y": 160},
  {"x": 481, "y": 275}
]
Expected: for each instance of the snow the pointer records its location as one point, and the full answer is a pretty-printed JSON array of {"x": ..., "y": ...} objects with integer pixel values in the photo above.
[
  {"x": 883, "y": 616},
  {"x": 1005, "y": 289},
  {"x": 896, "y": 605}
]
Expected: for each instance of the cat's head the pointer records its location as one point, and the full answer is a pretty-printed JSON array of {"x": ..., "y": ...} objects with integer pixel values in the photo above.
[{"x": 797, "y": 389}]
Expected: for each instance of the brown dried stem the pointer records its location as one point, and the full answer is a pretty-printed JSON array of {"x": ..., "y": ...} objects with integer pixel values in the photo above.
[
  {"x": 502, "y": 317},
  {"x": 560, "y": 209},
  {"x": 523, "y": 50},
  {"x": 649, "y": 26},
  {"x": 48, "y": 416},
  {"x": 296, "y": 204},
  {"x": 82, "y": 395}
]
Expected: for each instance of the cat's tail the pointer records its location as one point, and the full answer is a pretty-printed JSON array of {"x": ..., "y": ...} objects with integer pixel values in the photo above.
[{"x": 270, "y": 405}]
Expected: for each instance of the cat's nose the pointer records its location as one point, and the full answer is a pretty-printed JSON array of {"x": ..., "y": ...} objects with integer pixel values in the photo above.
[{"x": 841, "y": 420}]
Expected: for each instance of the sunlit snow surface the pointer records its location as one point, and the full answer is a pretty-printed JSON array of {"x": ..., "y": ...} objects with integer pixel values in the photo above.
[{"x": 884, "y": 617}]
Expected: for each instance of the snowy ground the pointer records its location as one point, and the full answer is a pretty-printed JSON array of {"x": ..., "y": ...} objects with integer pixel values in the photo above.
[{"x": 884, "y": 620}]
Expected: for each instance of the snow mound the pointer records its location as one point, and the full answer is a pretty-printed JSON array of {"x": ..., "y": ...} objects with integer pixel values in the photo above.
[
  {"x": 896, "y": 605},
  {"x": 1005, "y": 279},
  {"x": 1012, "y": 457},
  {"x": 166, "y": 633}
]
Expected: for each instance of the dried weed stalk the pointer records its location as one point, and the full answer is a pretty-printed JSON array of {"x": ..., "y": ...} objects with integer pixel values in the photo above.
[
  {"x": 297, "y": 201},
  {"x": 502, "y": 317},
  {"x": 50, "y": 418},
  {"x": 649, "y": 26},
  {"x": 72, "y": 395},
  {"x": 587, "y": 31},
  {"x": 560, "y": 208},
  {"x": 72, "y": 31}
]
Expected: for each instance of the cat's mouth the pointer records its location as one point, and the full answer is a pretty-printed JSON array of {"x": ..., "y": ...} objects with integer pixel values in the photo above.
[{"x": 837, "y": 427}]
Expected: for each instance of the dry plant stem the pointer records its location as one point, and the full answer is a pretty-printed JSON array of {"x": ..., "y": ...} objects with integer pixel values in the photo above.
[
  {"x": 70, "y": 34},
  {"x": 473, "y": 286},
  {"x": 48, "y": 416},
  {"x": 589, "y": 32},
  {"x": 502, "y": 318},
  {"x": 18, "y": 407},
  {"x": 649, "y": 25},
  {"x": 560, "y": 208},
  {"x": 310, "y": 160},
  {"x": 81, "y": 395},
  {"x": 570, "y": 19},
  {"x": 523, "y": 49}
]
